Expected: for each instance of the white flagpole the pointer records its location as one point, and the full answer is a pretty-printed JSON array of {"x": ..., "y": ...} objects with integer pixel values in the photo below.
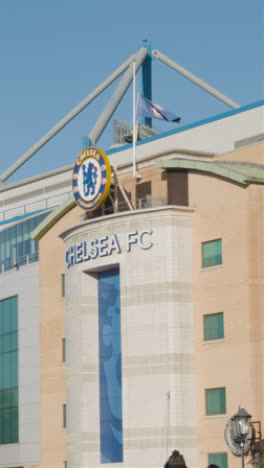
[{"x": 134, "y": 120}]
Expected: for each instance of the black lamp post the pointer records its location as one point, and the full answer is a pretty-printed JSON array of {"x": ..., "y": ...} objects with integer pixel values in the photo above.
[{"x": 241, "y": 429}]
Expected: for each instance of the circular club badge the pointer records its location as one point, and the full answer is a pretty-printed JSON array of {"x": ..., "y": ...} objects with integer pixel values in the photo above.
[{"x": 91, "y": 178}]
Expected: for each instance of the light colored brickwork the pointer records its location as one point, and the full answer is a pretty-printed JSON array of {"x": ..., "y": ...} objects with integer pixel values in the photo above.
[{"x": 52, "y": 331}]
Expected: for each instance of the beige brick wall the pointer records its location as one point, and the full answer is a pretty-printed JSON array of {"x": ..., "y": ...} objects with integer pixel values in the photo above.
[
  {"x": 221, "y": 210},
  {"x": 52, "y": 331},
  {"x": 234, "y": 214}
]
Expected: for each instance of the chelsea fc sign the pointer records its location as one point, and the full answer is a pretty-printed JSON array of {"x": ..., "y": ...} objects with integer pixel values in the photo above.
[{"x": 91, "y": 178}]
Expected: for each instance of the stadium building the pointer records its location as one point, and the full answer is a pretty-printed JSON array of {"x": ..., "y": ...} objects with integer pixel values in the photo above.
[
  {"x": 137, "y": 329},
  {"x": 131, "y": 292}
]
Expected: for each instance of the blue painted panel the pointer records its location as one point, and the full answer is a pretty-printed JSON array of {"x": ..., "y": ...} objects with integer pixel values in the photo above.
[
  {"x": 112, "y": 343},
  {"x": 112, "y": 437},
  {"x": 110, "y": 384},
  {"x": 110, "y": 407},
  {"x": 111, "y": 387}
]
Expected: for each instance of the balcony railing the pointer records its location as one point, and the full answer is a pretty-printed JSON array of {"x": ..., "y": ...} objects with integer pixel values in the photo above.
[
  {"x": 32, "y": 207},
  {"x": 15, "y": 263},
  {"x": 121, "y": 206}
]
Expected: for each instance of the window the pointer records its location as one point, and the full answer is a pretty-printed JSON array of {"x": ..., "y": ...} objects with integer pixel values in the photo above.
[
  {"x": 63, "y": 285},
  {"x": 64, "y": 416},
  {"x": 214, "y": 326},
  {"x": 215, "y": 401},
  {"x": 8, "y": 371},
  {"x": 16, "y": 246},
  {"x": 212, "y": 253},
  {"x": 63, "y": 349},
  {"x": 219, "y": 459}
]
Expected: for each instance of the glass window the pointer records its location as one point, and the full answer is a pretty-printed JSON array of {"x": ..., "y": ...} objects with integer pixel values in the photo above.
[
  {"x": 64, "y": 416},
  {"x": 16, "y": 246},
  {"x": 8, "y": 371},
  {"x": 64, "y": 350},
  {"x": 7, "y": 259},
  {"x": 19, "y": 245},
  {"x": 2, "y": 250},
  {"x": 63, "y": 285},
  {"x": 214, "y": 326},
  {"x": 32, "y": 243},
  {"x": 215, "y": 401},
  {"x": 13, "y": 240},
  {"x": 219, "y": 459},
  {"x": 212, "y": 253}
]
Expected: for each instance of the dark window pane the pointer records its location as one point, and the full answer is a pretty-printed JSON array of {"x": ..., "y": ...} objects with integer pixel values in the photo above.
[
  {"x": 6, "y": 316},
  {"x": 1, "y": 317},
  {"x": 64, "y": 349},
  {"x": 64, "y": 416},
  {"x": 1, "y": 371},
  {"x": 13, "y": 240},
  {"x": 7, "y": 425},
  {"x": 7, "y": 398},
  {"x": 215, "y": 401},
  {"x": 7, "y": 243},
  {"x": 14, "y": 341},
  {"x": 14, "y": 369},
  {"x": 7, "y": 342},
  {"x": 2, "y": 248},
  {"x": 1, "y": 427},
  {"x": 219, "y": 459},
  {"x": 212, "y": 253},
  {"x": 14, "y": 396},
  {"x": 13, "y": 313},
  {"x": 19, "y": 244},
  {"x": 16, "y": 244},
  {"x": 7, "y": 370},
  {"x": 214, "y": 326},
  {"x": 63, "y": 285},
  {"x": 14, "y": 428}
]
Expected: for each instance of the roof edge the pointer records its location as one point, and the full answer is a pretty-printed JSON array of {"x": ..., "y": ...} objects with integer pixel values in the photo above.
[
  {"x": 199, "y": 123},
  {"x": 203, "y": 166},
  {"x": 52, "y": 218}
]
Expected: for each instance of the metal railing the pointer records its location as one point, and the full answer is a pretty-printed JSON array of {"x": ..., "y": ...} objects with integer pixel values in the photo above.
[
  {"x": 15, "y": 263},
  {"x": 33, "y": 207},
  {"x": 121, "y": 206}
]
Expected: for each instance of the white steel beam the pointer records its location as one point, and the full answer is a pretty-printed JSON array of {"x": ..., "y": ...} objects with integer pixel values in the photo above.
[
  {"x": 60, "y": 125},
  {"x": 190, "y": 76},
  {"x": 116, "y": 97}
]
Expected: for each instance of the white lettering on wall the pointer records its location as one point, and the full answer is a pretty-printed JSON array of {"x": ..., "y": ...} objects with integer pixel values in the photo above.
[{"x": 107, "y": 245}]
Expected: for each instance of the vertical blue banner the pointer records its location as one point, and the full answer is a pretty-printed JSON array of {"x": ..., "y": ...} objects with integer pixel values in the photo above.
[{"x": 111, "y": 429}]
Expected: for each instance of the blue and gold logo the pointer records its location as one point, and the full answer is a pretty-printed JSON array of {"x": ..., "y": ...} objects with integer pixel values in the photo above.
[{"x": 91, "y": 178}]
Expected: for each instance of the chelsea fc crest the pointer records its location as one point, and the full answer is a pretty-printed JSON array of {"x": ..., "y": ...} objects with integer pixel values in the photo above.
[{"x": 91, "y": 178}]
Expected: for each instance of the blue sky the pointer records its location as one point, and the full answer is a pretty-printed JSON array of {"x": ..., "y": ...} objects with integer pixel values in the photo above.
[{"x": 55, "y": 52}]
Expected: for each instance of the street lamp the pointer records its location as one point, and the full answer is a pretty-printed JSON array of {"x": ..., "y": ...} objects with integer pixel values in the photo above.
[{"x": 241, "y": 429}]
